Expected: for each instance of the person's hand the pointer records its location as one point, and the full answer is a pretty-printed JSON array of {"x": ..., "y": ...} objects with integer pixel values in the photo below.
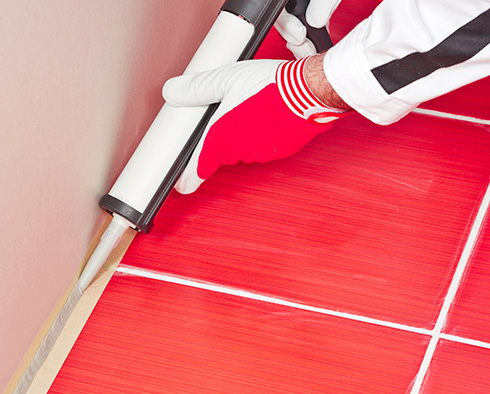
[
  {"x": 318, "y": 15},
  {"x": 267, "y": 112}
]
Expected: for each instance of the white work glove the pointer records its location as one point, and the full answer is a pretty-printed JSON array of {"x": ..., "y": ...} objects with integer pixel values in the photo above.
[
  {"x": 267, "y": 112},
  {"x": 318, "y": 15}
]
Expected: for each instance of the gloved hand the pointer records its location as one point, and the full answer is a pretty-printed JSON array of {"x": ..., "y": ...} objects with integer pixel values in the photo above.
[
  {"x": 318, "y": 15},
  {"x": 267, "y": 112}
]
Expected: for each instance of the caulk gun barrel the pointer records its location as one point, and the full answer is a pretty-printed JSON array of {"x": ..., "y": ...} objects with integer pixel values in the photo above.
[
  {"x": 108, "y": 242},
  {"x": 161, "y": 156}
]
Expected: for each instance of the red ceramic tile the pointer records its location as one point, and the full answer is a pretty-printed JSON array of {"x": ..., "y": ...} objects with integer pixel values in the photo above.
[
  {"x": 147, "y": 336},
  {"x": 365, "y": 219},
  {"x": 470, "y": 316},
  {"x": 458, "y": 369}
]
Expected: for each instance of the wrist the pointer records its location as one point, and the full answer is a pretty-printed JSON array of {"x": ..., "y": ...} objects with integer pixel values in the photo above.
[
  {"x": 301, "y": 99},
  {"x": 320, "y": 86}
]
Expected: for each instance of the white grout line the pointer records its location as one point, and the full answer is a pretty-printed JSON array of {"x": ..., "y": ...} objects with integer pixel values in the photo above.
[
  {"x": 259, "y": 297},
  {"x": 450, "y": 116},
  {"x": 452, "y": 291},
  {"x": 436, "y": 333},
  {"x": 142, "y": 273},
  {"x": 466, "y": 341}
]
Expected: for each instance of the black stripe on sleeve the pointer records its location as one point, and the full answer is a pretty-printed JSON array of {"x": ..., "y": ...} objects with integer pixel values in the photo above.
[{"x": 460, "y": 46}]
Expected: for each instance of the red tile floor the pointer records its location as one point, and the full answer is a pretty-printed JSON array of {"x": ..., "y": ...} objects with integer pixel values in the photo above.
[{"x": 358, "y": 265}]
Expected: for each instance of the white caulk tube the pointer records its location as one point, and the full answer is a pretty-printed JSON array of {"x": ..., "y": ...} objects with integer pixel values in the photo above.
[
  {"x": 154, "y": 167},
  {"x": 173, "y": 126}
]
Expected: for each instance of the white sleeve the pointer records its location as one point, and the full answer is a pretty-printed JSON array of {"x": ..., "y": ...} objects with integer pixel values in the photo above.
[{"x": 408, "y": 52}]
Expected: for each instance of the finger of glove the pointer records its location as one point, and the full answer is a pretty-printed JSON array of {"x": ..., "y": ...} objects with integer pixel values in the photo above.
[
  {"x": 304, "y": 50},
  {"x": 232, "y": 83},
  {"x": 319, "y": 12},
  {"x": 290, "y": 28},
  {"x": 189, "y": 181},
  {"x": 193, "y": 90}
]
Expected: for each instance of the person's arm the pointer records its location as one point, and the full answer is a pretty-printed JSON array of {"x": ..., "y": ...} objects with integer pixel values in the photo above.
[
  {"x": 319, "y": 85},
  {"x": 408, "y": 52}
]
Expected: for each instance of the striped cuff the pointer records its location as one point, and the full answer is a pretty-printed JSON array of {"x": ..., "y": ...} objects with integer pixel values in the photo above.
[{"x": 299, "y": 98}]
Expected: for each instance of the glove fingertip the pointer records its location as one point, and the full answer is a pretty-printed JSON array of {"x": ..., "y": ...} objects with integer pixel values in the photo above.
[
  {"x": 291, "y": 29},
  {"x": 188, "y": 182},
  {"x": 170, "y": 90},
  {"x": 319, "y": 12},
  {"x": 316, "y": 20}
]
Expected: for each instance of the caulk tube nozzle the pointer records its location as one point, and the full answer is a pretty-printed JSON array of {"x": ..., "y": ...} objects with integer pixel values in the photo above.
[{"x": 108, "y": 242}]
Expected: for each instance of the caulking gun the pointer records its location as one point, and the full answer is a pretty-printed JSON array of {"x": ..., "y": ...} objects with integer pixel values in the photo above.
[{"x": 147, "y": 179}]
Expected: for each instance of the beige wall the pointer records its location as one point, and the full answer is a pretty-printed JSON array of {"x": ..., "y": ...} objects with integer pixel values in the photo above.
[{"x": 80, "y": 83}]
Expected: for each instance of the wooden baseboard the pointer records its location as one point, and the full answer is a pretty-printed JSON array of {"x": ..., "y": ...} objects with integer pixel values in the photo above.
[{"x": 52, "y": 361}]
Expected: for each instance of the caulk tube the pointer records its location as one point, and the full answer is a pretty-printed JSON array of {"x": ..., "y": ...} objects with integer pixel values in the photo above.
[
  {"x": 164, "y": 151},
  {"x": 172, "y": 127},
  {"x": 149, "y": 176}
]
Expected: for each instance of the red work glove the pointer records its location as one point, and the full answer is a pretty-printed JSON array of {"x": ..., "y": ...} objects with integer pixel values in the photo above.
[{"x": 267, "y": 112}]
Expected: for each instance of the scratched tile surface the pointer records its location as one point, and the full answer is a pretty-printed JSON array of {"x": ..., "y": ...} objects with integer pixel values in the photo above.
[
  {"x": 470, "y": 315},
  {"x": 151, "y": 337},
  {"x": 366, "y": 219},
  {"x": 458, "y": 368}
]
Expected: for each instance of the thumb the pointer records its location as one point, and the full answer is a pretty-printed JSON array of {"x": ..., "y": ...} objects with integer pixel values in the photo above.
[
  {"x": 319, "y": 12},
  {"x": 194, "y": 90}
]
